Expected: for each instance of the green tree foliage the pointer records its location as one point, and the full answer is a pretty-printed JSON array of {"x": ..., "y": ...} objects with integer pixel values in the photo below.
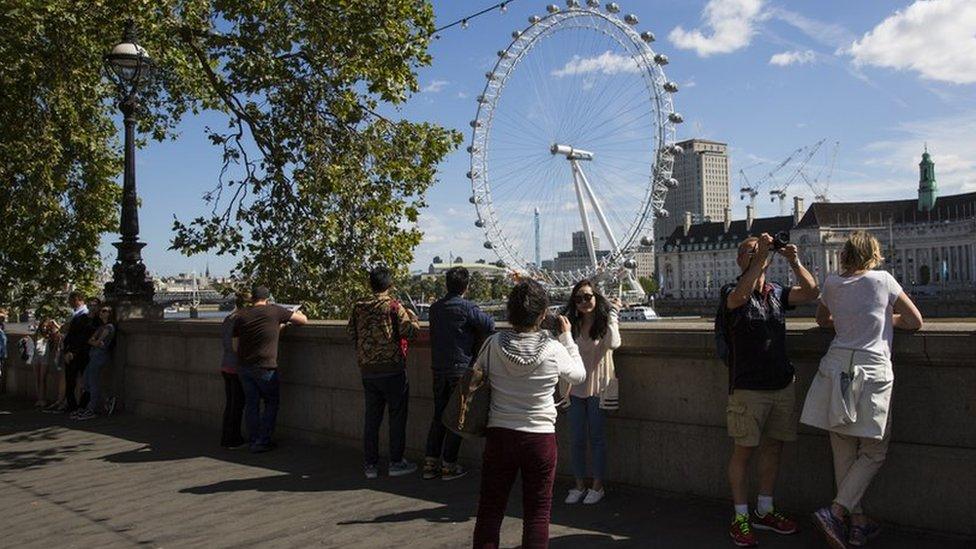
[
  {"x": 316, "y": 182},
  {"x": 649, "y": 285},
  {"x": 479, "y": 288}
]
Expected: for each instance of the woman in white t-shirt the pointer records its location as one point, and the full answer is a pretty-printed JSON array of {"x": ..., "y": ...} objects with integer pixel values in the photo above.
[{"x": 851, "y": 394}]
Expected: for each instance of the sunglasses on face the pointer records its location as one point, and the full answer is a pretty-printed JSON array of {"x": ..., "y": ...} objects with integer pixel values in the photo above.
[{"x": 582, "y": 298}]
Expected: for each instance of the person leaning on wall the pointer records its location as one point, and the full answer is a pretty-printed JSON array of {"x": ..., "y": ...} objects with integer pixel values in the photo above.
[{"x": 850, "y": 396}]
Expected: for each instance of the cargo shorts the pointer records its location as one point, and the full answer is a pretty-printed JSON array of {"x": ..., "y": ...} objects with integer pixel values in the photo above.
[{"x": 752, "y": 415}]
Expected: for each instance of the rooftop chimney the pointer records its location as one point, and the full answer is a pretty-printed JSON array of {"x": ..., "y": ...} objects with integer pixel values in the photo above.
[
  {"x": 687, "y": 223},
  {"x": 749, "y": 218},
  {"x": 728, "y": 218},
  {"x": 797, "y": 210}
]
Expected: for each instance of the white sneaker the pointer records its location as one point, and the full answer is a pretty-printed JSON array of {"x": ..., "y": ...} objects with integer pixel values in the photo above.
[
  {"x": 575, "y": 496},
  {"x": 592, "y": 496}
]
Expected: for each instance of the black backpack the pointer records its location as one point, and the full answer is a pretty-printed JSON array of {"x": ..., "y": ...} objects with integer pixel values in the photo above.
[
  {"x": 723, "y": 343},
  {"x": 723, "y": 340}
]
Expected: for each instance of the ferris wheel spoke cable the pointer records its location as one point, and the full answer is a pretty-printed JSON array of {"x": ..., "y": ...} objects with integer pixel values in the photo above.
[
  {"x": 613, "y": 117},
  {"x": 540, "y": 96}
]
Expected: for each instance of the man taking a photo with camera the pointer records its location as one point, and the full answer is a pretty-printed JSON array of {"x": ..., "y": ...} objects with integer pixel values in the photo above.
[{"x": 761, "y": 412}]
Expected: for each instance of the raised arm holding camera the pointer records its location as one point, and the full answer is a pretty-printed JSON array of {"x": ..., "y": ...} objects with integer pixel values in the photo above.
[{"x": 762, "y": 396}]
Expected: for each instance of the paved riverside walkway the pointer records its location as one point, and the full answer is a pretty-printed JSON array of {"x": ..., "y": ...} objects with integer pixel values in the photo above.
[{"x": 127, "y": 481}]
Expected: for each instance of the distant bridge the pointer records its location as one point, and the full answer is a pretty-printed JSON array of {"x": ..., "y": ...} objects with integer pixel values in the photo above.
[{"x": 189, "y": 296}]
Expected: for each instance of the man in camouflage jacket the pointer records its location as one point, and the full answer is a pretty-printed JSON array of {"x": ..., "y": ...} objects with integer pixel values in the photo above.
[{"x": 381, "y": 328}]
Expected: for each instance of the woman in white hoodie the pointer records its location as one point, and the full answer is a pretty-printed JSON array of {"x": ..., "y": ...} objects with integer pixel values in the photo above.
[
  {"x": 850, "y": 396},
  {"x": 523, "y": 367}
]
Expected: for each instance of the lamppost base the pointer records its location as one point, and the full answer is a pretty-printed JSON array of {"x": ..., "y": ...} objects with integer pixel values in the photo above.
[{"x": 130, "y": 288}]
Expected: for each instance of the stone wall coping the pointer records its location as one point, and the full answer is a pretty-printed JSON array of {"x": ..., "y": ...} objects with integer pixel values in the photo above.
[{"x": 943, "y": 344}]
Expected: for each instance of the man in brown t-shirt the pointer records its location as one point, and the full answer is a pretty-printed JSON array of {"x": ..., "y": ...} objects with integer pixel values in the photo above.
[{"x": 256, "y": 332}]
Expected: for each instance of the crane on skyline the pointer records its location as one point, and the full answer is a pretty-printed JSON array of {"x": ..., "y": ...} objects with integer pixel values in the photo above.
[
  {"x": 794, "y": 165},
  {"x": 820, "y": 184},
  {"x": 780, "y": 192}
]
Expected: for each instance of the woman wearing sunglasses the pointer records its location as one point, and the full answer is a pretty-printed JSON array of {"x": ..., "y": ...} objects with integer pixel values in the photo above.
[
  {"x": 594, "y": 325},
  {"x": 99, "y": 356}
]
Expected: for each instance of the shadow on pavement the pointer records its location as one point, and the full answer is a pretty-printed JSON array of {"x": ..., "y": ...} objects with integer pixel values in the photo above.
[{"x": 627, "y": 517}]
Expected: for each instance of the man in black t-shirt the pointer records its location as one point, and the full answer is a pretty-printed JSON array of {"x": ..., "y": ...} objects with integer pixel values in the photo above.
[
  {"x": 762, "y": 397},
  {"x": 256, "y": 332}
]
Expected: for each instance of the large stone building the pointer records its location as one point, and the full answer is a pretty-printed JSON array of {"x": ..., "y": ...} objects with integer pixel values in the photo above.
[
  {"x": 702, "y": 171},
  {"x": 928, "y": 242},
  {"x": 698, "y": 259}
]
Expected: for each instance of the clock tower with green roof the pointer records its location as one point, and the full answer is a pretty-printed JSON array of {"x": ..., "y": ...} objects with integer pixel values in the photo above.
[{"x": 928, "y": 190}]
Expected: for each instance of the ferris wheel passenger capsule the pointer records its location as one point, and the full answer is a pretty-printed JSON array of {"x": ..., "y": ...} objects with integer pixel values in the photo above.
[
  {"x": 572, "y": 3},
  {"x": 516, "y": 33},
  {"x": 676, "y": 149},
  {"x": 661, "y": 59},
  {"x": 490, "y": 75},
  {"x": 481, "y": 99},
  {"x": 670, "y": 87},
  {"x": 661, "y": 214},
  {"x": 473, "y": 199},
  {"x": 502, "y": 54},
  {"x": 631, "y": 19},
  {"x": 672, "y": 183},
  {"x": 676, "y": 118},
  {"x": 593, "y": 3},
  {"x": 646, "y": 241},
  {"x": 612, "y": 7},
  {"x": 479, "y": 223},
  {"x": 648, "y": 36},
  {"x": 630, "y": 264},
  {"x": 552, "y": 8},
  {"x": 534, "y": 19},
  {"x": 488, "y": 244}
]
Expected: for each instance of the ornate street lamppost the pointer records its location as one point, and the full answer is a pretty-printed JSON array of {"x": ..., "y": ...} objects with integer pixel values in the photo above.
[{"x": 129, "y": 66}]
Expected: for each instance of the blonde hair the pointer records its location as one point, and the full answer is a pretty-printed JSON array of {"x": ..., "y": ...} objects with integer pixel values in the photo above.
[{"x": 862, "y": 252}]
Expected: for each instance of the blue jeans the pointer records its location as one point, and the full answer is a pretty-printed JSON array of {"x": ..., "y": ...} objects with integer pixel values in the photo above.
[
  {"x": 583, "y": 413},
  {"x": 260, "y": 384},
  {"x": 98, "y": 358}
]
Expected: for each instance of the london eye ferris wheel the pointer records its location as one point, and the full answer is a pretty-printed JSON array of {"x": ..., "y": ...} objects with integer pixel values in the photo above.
[{"x": 574, "y": 133}]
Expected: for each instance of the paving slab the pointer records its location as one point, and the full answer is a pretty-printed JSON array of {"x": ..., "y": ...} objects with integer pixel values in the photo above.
[{"x": 127, "y": 481}]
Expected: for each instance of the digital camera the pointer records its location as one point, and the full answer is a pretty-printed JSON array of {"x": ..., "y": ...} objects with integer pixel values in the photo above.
[{"x": 780, "y": 240}]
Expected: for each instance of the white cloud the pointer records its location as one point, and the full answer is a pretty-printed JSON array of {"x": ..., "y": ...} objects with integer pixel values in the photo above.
[
  {"x": 827, "y": 34},
  {"x": 951, "y": 142},
  {"x": 935, "y": 38},
  {"x": 435, "y": 86},
  {"x": 462, "y": 95},
  {"x": 454, "y": 233},
  {"x": 607, "y": 63},
  {"x": 690, "y": 83},
  {"x": 729, "y": 26},
  {"x": 795, "y": 57}
]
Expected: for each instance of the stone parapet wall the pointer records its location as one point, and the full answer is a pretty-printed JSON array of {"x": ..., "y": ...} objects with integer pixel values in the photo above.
[{"x": 669, "y": 433}]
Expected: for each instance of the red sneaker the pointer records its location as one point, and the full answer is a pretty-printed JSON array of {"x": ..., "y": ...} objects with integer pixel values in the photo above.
[
  {"x": 774, "y": 521},
  {"x": 741, "y": 532}
]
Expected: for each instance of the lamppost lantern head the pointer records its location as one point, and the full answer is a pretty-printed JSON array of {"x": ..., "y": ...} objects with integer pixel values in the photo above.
[{"x": 128, "y": 60}]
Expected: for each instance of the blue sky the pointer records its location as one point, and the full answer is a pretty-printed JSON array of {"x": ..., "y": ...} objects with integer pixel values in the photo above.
[{"x": 881, "y": 77}]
